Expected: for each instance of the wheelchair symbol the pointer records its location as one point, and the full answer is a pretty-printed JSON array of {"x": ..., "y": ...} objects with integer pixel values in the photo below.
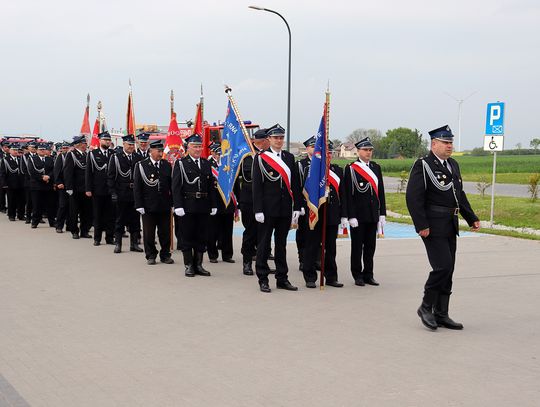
[{"x": 492, "y": 144}]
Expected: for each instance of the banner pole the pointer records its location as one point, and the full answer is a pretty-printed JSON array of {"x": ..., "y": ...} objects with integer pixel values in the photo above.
[
  {"x": 326, "y": 172},
  {"x": 228, "y": 92}
]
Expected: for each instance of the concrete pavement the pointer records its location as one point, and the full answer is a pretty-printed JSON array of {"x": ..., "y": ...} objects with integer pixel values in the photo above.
[{"x": 81, "y": 326}]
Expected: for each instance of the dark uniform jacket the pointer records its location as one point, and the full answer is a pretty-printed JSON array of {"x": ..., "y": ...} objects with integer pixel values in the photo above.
[
  {"x": 270, "y": 194},
  {"x": 142, "y": 155},
  {"x": 194, "y": 188},
  {"x": 10, "y": 172},
  {"x": 59, "y": 168},
  {"x": 433, "y": 194},
  {"x": 244, "y": 183},
  {"x": 24, "y": 168},
  {"x": 37, "y": 168},
  {"x": 220, "y": 205},
  {"x": 335, "y": 209},
  {"x": 74, "y": 171},
  {"x": 96, "y": 172},
  {"x": 120, "y": 176},
  {"x": 361, "y": 201},
  {"x": 303, "y": 171},
  {"x": 152, "y": 186}
]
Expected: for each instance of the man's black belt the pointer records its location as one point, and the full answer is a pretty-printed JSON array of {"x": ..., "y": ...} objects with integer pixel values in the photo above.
[
  {"x": 196, "y": 195},
  {"x": 443, "y": 209}
]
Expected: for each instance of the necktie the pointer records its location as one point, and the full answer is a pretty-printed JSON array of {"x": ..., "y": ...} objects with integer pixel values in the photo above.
[
  {"x": 129, "y": 158},
  {"x": 197, "y": 162},
  {"x": 278, "y": 154},
  {"x": 156, "y": 164},
  {"x": 445, "y": 164}
]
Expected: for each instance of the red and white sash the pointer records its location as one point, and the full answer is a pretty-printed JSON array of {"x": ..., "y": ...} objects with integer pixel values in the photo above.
[
  {"x": 333, "y": 179},
  {"x": 368, "y": 174},
  {"x": 215, "y": 171},
  {"x": 279, "y": 165}
]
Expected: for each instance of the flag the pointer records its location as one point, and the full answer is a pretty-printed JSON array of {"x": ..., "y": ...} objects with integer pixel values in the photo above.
[
  {"x": 130, "y": 125},
  {"x": 174, "y": 148},
  {"x": 85, "y": 127},
  {"x": 316, "y": 185},
  {"x": 235, "y": 145},
  {"x": 94, "y": 143},
  {"x": 199, "y": 129}
]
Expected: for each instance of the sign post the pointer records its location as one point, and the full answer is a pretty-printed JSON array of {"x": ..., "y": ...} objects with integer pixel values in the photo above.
[{"x": 494, "y": 141}]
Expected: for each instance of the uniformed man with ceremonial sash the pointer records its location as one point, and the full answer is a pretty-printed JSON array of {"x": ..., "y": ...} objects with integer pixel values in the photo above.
[
  {"x": 63, "y": 198},
  {"x": 303, "y": 223},
  {"x": 80, "y": 205},
  {"x": 4, "y": 152},
  {"x": 435, "y": 197},
  {"x": 276, "y": 204},
  {"x": 120, "y": 182},
  {"x": 41, "y": 170},
  {"x": 153, "y": 200},
  {"x": 335, "y": 215},
  {"x": 31, "y": 151},
  {"x": 12, "y": 182},
  {"x": 365, "y": 207},
  {"x": 194, "y": 201}
]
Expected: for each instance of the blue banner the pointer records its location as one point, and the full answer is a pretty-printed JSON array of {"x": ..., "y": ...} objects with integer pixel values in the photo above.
[
  {"x": 316, "y": 182},
  {"x": 234, "y": 147}
]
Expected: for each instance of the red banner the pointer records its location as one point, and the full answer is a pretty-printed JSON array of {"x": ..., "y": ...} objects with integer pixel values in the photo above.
[
  {"x": 130, "y": 125},
  {"x": 94, "y": 143},
  {"x": 174, "y": 148}
]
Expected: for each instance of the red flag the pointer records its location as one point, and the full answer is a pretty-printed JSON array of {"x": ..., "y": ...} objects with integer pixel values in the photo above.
[
  {"x": 95, "y": 140},
  {"x": 130, "y": 126},
  {"x": 174, "y": 148},
  {"x": 85, "y": 127},
  {"x": 199, "y": 129}
]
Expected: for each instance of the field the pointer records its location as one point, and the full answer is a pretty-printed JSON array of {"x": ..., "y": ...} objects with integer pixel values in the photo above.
[{"x": 511, "y": 169}]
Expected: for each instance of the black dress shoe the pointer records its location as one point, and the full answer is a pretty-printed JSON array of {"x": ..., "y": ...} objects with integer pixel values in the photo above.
[
  {"x": 427, "y": 317},
  {"x": 96, "y": 242},
  {"x": 118, "y": 248},
  {"x": 190, "y": 271},
  {"x": 41, "y": 221},
  {"x": 33, "y": 226},
  {"x": 247, "y": 269},
  {"x": 27, "y": 221},
  {"x": 359, "y": 282},
  {"x": 167, "y": 260},
  {"x": 75, "y": 235},
  {"x": 370, "y": 281},
  {"x": 12, "y": 219},
  {"x": 334, "y": 284},
  {"x": 265, "y": 288},
  {"x": 109, "y": 240},
  {"x": 59, "y": 231},
  {"x": 213, "y": 260},
  {"x": 286, "y": 285},
  {"x": 229, "y": 261},
  {"x": 86, "y": 235},
  {"x": 311, "y": 284},
  {"x": 151, "y": 262}
]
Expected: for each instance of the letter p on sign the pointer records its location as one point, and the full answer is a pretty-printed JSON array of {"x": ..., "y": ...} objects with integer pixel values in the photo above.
[{"x": 495, "y": 119}]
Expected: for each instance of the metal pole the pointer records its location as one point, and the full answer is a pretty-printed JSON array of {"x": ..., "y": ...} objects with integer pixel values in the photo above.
[
  {"x": 288, "y": 145},
  {"x": 493, "y": 188}
]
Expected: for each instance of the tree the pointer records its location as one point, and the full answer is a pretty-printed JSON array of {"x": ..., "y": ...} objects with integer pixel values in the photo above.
[
  {"x": 535, "y": 143},
  {"x": 404, "y": 142},
  {"x": 375, "y": 136},
  {"x": 337, "y": 142}
]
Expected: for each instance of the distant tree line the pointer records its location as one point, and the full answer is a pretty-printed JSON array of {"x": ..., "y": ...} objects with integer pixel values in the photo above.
[{"x": 534, "y": 144}]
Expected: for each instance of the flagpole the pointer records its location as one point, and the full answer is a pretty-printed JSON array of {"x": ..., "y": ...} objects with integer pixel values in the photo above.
[
  {"x": 327, "y": 170},
  {"x": 172, "y": 103},
  {"x": 171, "y": 214},
  {"x": 228, "y": 91}
]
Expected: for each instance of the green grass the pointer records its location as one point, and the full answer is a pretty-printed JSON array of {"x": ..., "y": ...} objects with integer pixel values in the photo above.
[{"x": 515, "y": 212}]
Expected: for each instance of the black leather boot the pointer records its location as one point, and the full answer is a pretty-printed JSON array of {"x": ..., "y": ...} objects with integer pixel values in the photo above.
[
  {"x": 441, "y": 313},
  {"x": 425, "y": 312},
  {"x": 248, "y": 268},
  {"x": 118, "y": 246},
  {"x": 188, "y": 263},
  {"x": 134, "y": 245},
  {"x": 199, "y": 269}
]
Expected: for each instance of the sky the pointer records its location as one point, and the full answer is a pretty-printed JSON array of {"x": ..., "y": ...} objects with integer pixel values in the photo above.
[{"x": 389, "y": 63}]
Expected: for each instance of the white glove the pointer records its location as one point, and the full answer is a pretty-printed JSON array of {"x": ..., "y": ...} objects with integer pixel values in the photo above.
[
  {"x": 344, "y": 223},
  {"x": 295, "y": 216},
  {"x": 213, "y": 211},
  {"x": 353, "y": 222},
  {"x": 69, "y": 192},
  {"x": 382, "y": 220},
  {"x": 179, "y": 212},
  {"x": 140, "y": 210},
  {"x": 302, "y": 211},
  {"x": 259, "y": 217}
]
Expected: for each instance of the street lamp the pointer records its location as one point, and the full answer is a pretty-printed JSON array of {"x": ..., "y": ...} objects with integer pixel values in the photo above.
[
  {"x": 460, "y": 103},
  {"x": 289, "y": 79}
]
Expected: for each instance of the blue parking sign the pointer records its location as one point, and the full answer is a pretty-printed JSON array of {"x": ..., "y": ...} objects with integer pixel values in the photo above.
[{"x": 495, "y": 119}]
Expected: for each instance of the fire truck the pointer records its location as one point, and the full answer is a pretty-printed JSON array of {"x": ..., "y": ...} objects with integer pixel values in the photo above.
[{"x": 211, "y": 132}]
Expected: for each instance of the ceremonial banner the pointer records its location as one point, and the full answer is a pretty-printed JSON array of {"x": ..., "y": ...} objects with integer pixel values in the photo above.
[
  {"x": 174, "y": 148},
  {"x": 85, "y": 127},
  {"x": 198, "y": 129},
  {"x": 130, "y": 125},
  {"x": 94, "y": 143},
  {"x": 315, "y": 188},
  {"x": 235, "y": 145}
]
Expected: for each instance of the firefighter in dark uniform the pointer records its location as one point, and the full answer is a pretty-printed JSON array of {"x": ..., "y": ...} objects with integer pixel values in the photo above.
[
  {"x": 142, "y": 145},
  {"x": 435, "y": 196},
  {"x": 4, "y": 152},
  {"x": 31, "y": 148},
  {"x": 12, "y": 182},
  {"x": 194, "y": 201},
  {"x": 245, "y": 202},
  {"x": 276, "y": 204},
  {"x": 63, "y": 198},
  {"x": 220, "y": 230},
  {"x": 41, "y": 170},
  {"x": 120, "y": 182},
  {"x": 98, "y": 190},
  {"x": 335, "y": 215},
  {"x": 153, "y": 200},
  {"x": 365, "y": 207},
  {"x": 80, "y": 205},
  {"x": 303, "y": 171}
]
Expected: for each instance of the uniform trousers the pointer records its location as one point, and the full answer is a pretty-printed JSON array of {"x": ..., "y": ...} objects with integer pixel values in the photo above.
[
  {"x": 220, "y": 232},
  {"x": 441, "y": 251},
  {"x": 162, "y": 222},
  {"x": 16, "y": 203},
  {"x": 249, "y": 237},
  {"x": 363, "y": 241},
  {"x": 28, "y": 200},
  {"x": 3, "y": 199},
  {"x": 279, "y": 226},
  {"x": 301, "y": 236},
  {"x": 63, "y": 210},
  {"x": 80, "y": 206},
  {"x": 312, "y": 249},
  {"x": 43, "y": 204},
  {"x": 103, "y": 216},
  {"x": 126, "y": 217},
  {"x": 193, "y": 227}
]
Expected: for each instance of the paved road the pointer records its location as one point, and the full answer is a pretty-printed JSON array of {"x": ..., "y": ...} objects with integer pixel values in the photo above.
[
  {"x": 80, "y": 326},
  {"x": 517, "y": 190}
]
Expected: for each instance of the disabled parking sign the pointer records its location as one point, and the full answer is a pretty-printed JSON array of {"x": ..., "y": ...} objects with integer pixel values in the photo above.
[{"x": 493, "y": 141}]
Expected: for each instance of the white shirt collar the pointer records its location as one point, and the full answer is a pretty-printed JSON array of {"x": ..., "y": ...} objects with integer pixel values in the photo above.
[
  {"x": 79, "y": 151},
  {"x": 276, "y": 152},
  {"x": 153, "y": 161},
  {"x": 363, "y": 162}
]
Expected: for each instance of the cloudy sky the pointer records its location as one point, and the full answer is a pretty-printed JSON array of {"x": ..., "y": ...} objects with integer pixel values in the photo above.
[{"x": 389, "y": 63}]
